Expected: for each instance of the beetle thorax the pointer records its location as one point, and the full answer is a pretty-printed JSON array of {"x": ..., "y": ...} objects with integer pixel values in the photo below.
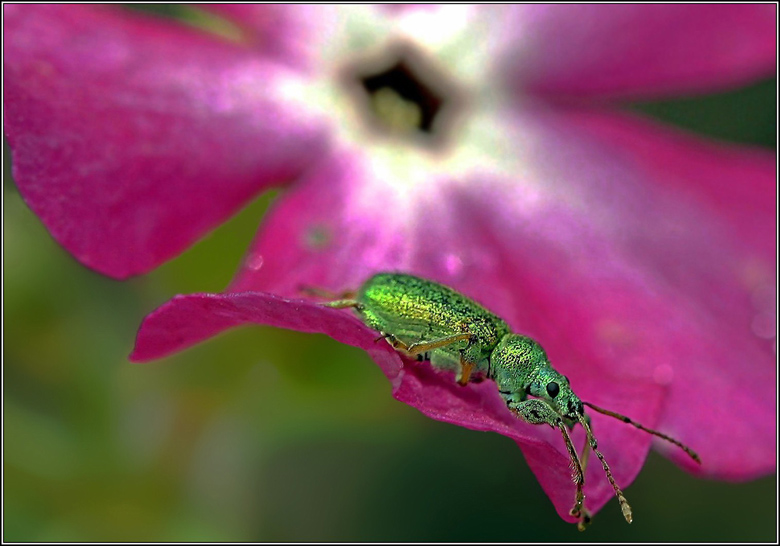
[{"x": 521, "y": 369}]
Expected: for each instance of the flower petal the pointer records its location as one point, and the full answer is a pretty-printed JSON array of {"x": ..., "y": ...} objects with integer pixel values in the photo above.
[
  {"x": 186, "y": 320},
  {"x": 639, "y": 50},
  {"x": 322, "y": 233},
  {"x": 716, "y": 247},
  {"x": 635, "y": 263},
  {"x": 736, "y": 184},
  {"x": 132, "y": 137},
  {"x": 342, "y": 224},
  {"x": 624, "y": 254}
]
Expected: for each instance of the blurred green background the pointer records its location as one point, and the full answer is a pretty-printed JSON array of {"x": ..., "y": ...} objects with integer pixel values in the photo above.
[{"x": 269, "y": 435}]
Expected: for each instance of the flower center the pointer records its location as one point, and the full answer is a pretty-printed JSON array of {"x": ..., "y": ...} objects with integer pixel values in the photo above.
[
  {"x": 400, "y": 101},
  {"x": 401, "y": 94}
]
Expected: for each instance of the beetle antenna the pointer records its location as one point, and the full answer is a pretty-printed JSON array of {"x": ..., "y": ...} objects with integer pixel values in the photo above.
[
  {"x": 691, "y": 453},
  {"x": 624, "y": 506}
]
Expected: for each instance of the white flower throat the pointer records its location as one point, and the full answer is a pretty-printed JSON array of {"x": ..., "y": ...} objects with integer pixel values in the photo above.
[{"x": 413, "y": 96}]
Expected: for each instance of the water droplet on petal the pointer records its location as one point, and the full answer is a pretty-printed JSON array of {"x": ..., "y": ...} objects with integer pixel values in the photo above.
[
  {"x": 254, "y": 261},
  {"x": 663, "y": 374},
  {"x": 764, "y": 297},
  {"x": 764, "y": 325},
  {"x": 453, "y": 264}
]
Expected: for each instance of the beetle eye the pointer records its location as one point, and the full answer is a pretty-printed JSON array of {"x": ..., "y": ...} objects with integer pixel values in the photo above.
[{"x": 553, "y": 389}]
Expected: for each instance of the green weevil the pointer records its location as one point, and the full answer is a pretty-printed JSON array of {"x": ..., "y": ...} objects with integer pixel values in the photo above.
[{"x": 431, "y": 322}]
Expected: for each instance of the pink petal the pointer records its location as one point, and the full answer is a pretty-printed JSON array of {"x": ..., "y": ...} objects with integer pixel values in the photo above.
[
  {"x": 737, "y": 184},
  {"x": 728, "y": 271},
  {"x": 319, "y": 236},
  {"x": 186, "y": 320},
  {"x": 638, "y": 50},
  {"x": 634, "y": 256},
  {"x": 305, "y": 242},
  {"x": 290, "y": 31},
  {"x": 132, "y": 137}
]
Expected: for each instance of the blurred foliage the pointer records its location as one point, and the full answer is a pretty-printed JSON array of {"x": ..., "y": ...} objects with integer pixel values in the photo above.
[
  {"x": 747, "y": 115},
  {"x": 270, "y": 435}
]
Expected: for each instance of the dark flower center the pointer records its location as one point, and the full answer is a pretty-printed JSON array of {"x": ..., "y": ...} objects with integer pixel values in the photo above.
[
  {"x": 396, "y": 93},
  {"x": 403, "y": 93}
]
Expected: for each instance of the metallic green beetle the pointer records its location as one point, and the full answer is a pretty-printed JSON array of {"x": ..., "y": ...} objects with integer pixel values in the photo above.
[{"x": 431, "y": 322}]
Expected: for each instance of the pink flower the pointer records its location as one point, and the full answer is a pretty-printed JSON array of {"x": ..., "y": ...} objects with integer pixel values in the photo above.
[{"x": 641, "y": 258}]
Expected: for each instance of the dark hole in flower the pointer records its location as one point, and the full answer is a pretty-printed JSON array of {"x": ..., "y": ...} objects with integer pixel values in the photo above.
[
  {"x": 401, "y": 100},
  {"x": 403, "y": 92}
]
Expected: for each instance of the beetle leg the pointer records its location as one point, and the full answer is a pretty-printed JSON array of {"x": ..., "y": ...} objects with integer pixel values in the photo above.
[
  {"x": 340, "y": 301},
  {"x": 585, "y": 450},
  {"x": 425, "y": 346},
  {"x": 585, "y": 519},
  {"x": 383, "y": 336},
  {"x": 465, "y": 372},
  {"x": 326, "y": 294},
  {"x": 343, "y": 304},
  {"x": 579, "y": 509},
  {"x": 538, "y": 412}
]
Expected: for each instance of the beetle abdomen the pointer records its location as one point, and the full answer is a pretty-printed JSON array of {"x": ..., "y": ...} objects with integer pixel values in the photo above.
[{"x": 415, "y": 309}]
